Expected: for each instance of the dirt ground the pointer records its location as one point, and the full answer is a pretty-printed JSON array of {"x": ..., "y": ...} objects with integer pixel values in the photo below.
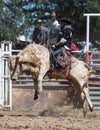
[
  {"x": 59, "y": 118},
  {"x": 50, "y": 112}
]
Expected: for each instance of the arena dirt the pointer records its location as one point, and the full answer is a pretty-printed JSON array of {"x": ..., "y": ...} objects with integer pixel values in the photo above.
[
  {"x": 52, "y": 111},
  {"x": 59, "y": 118}
]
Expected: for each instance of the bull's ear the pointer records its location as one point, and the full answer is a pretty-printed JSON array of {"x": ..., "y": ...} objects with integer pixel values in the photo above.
[{"x": 17, "y": 57}]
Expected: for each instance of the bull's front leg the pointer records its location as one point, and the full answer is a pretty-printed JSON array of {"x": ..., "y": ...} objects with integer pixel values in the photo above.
[
  {"x": 38, "y": 81},
  {"x": 38, "y": 88}
]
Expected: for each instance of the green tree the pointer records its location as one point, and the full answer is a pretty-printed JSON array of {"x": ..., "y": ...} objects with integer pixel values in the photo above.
[{"x": 19, "y": 17}]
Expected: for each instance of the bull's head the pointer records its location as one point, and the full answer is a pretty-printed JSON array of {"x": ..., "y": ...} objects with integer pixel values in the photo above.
[
  {"x": 18, "y": 65},
  {"x": 15, "y": 67}
]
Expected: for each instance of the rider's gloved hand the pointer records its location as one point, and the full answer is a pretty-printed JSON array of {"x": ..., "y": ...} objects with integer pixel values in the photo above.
[
  {"x": 53, "y": 47},
  {"x": 63, "y": 40}
]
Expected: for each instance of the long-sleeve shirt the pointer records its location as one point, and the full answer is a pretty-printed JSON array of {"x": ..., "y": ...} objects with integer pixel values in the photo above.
[
  {"x": 65, "y": 32},
  {"x": 57, "y": 25}
]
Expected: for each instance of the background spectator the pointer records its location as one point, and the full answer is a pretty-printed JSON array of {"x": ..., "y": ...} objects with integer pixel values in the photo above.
[
  {"x": 41, "y": 34},
  {"x": 21, "y": 43}
]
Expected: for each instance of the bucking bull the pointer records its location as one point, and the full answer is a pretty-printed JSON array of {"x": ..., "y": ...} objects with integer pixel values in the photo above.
[{"x": 35, "y": 60}]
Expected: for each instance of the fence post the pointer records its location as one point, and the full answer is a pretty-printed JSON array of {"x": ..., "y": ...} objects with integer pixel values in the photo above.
[
  {"x": 6, "y": 84},
  {"x": 0, "y": 81}
]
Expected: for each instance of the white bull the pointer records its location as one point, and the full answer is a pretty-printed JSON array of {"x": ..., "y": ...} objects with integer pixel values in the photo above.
[{"x": 35, "y": 60}]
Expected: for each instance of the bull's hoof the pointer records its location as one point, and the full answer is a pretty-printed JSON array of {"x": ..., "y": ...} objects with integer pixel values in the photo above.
[
  {"x": 91, "y": 109},
  {"x": 84, "y": 112},
  {"x": 35, "y": 97}
]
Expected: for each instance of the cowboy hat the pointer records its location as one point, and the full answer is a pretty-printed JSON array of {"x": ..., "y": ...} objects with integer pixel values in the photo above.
[
  {"x": 39, "y": 21},
  {"x": 65, "y": 19},
  {"x": 22, "y": 38}
]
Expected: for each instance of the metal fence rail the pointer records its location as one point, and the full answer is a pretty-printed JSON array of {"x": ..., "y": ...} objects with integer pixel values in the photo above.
[{"x": 94, "y": 80}]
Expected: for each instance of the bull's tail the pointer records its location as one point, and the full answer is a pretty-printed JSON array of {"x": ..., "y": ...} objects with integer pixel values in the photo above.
[
  {"x": 88, "y": 67},
  {"x": 92, "y": 71}
]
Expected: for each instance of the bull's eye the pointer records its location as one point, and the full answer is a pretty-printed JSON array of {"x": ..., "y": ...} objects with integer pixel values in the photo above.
[
  {"x": 11, "y": 73},
  {"x": 9, "y": 65}
]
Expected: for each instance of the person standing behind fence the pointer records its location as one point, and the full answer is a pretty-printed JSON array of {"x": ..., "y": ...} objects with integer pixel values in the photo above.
[
  {"x": 41, "y": 34},
  {"x": 21, "y": 43}
]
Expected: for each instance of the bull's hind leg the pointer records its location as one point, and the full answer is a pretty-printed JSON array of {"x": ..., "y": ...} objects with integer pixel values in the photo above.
[
  {"x": 86, "y": 99},
  {"x": 86, "y": 92},
  {"x": 85, "y": 104}
]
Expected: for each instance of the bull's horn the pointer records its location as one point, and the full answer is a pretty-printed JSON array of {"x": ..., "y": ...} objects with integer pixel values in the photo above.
[{"x": 6, "y": 56}]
